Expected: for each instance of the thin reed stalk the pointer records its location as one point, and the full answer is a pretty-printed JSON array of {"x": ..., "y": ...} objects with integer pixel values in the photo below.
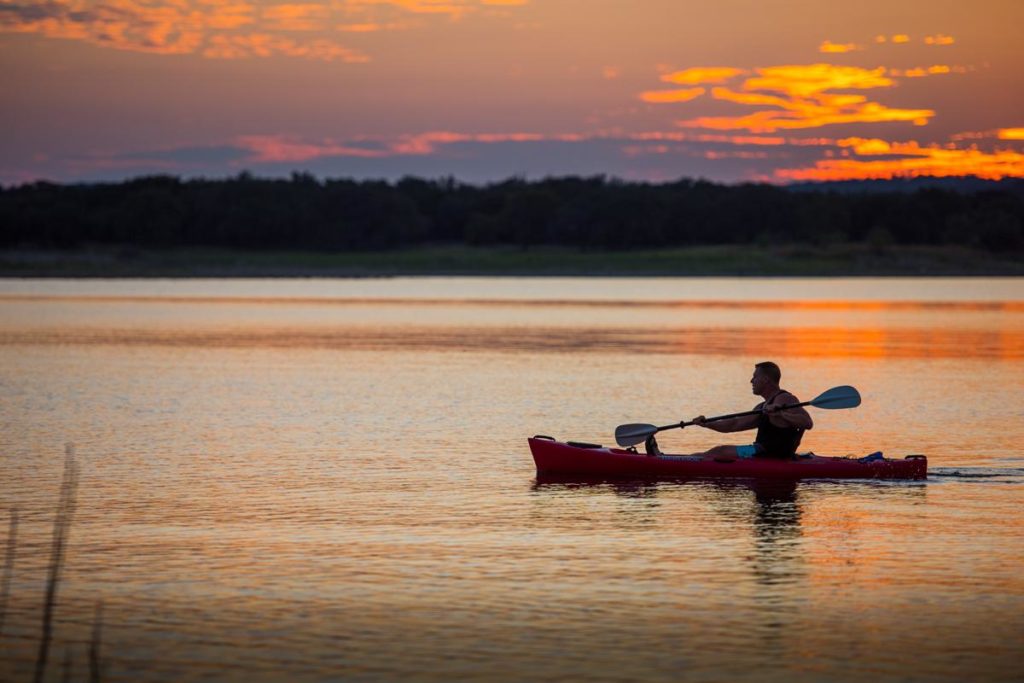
[
  {"x": 5, "y": 582},
  {"x": 94, "y": 644},
  {"x": 65, "y": 676},
  {"x": 61, "y": 526}
]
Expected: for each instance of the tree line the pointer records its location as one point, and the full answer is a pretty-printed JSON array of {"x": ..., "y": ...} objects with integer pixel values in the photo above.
[{"x": 306, "y": 213}]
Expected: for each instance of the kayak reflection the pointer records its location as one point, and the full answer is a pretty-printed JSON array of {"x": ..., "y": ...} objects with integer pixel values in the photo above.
[
  {"x": 772, "y": 513},
  {"x": 777, "y": 532},
  {"x": 765, "y": 491},
  {"x": 774, "y": 500},
  {"x": 772, "y": 509}
]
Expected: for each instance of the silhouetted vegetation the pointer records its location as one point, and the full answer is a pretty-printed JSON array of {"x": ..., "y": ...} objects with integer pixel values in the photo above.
[{"x": 594, "y": 213}]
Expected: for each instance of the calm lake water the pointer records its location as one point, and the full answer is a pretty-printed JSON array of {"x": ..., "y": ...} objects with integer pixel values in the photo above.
[{"x": 327, "y": 480}]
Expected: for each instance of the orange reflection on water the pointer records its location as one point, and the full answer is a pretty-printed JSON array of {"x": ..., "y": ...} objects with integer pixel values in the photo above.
[
  {"x": 828, "y": 327},
  {"x": 857, "y": 537},
  {"x": 1008, "y": 306},
  {"x": 877, "y": 342},
  {"x": 837, "y": 342}
]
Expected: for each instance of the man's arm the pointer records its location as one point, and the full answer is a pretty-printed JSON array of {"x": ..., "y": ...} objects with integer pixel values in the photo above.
[
  {"x": 736, "y": 424},
  {"x": 797, "y": 418}
]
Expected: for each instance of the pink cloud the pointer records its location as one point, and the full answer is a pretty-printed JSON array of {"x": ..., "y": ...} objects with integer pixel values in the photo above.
[
  {"x": 284, "y": 148},
  {"x": 280, "y": 148}
]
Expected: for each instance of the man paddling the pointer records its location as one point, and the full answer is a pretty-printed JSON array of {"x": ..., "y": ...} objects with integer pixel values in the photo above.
[{"x": 779, "y": 430}]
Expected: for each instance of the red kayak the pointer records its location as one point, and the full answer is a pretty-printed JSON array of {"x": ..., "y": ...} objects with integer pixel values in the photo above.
[{"x": 555, "y": 457}]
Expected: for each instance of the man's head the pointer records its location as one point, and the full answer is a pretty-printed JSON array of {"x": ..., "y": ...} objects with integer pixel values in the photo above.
[{"x": 766, "y": 378}]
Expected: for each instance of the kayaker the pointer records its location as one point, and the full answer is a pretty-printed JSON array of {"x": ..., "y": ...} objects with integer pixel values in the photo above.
[{"x": 778, "y": 431}]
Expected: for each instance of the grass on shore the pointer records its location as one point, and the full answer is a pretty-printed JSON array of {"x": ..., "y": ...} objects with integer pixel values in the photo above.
[{"x": 834, "y": 260}]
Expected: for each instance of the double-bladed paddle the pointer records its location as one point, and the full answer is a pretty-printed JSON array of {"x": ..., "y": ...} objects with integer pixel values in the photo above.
[{"x": 833, "y": 399}]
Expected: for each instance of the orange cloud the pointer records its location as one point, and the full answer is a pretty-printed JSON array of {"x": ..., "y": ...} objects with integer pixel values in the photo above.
[
  {"x": 804, "y": 100},
  {"x": 973, "y": 135},
  {"x": 909, "y": 159},
  {"x": 810, "y": 142},
  {"x": 268, "y": 45},
  {"x": 749, "y": 98},
  {"x": 829, "y": 47},
  {"x": 1011, "y": 133},
  {"x": 229, "y": 16},
  {"x": 718, "y": 154},
  {"x": 211, "y": 27},
  {"x": 119, "y": 24},
  {"x": 745, "y": 140},
  {"x": 866, "y": 146},
  {"x": 921, "y": 72},
  {"x": 807, "y": 80},
  {"x": 365, "y": 28},
  {"x": 695, "y": 75},
  {"x": 455, "y": 9},
  {"x": 800, "y": 96},
  {"x": 681, "y": 136},
  {"x": 305, "y": 17},
  {"x": 427, "y": 143},
  {"x": 420, "y": 6},
  {"x": 769, "y": 122},
  {"x": 663, "y": 96}
]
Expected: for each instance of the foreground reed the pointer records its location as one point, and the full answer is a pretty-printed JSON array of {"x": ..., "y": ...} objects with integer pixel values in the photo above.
[
  {"x": 58, "y": 549},
  {"x": 95, "y": 667},
  {"x": 61, "y": 527},
  {"x": 5, "y": 583}
]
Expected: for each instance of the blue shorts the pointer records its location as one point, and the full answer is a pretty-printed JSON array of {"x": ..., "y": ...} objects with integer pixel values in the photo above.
[{"x": 750, "y": 451}]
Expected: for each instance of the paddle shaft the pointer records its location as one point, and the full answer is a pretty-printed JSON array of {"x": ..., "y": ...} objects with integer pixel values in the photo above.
[
  {"x": 833, "y": 399},
  {"x": 680, "y": 425}
]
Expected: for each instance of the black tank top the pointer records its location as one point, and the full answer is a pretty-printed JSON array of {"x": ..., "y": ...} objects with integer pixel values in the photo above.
[{"x": 778, "y": 442}]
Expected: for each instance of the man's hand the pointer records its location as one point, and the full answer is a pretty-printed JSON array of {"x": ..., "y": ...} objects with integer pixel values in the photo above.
[{"x": 699, "y": 421}]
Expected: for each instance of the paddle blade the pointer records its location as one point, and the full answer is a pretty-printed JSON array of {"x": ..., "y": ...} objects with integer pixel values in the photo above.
[
  {"x": 632, "y": 434},
  {"x": 838, "y": 397}
]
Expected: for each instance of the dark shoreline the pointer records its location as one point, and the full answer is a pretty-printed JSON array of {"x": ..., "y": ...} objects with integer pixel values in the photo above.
[{"x": 846, "y": 260}]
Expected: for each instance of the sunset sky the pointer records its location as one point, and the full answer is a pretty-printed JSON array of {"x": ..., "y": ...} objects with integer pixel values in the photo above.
[{"x": 481, "y": 90}]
